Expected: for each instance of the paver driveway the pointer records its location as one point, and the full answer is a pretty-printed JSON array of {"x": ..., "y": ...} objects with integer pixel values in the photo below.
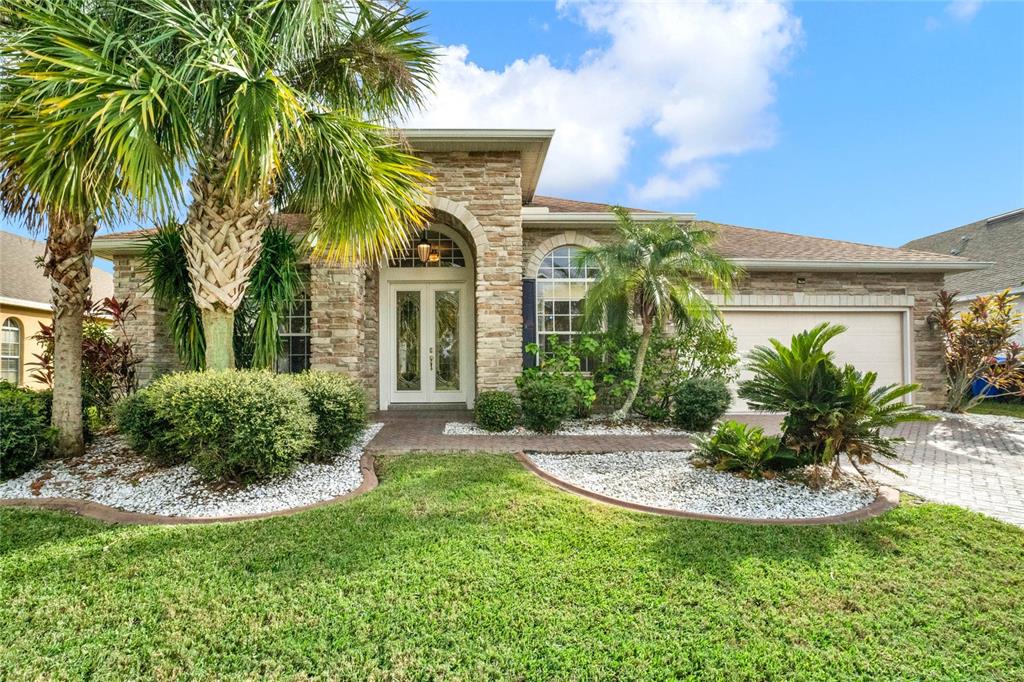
[{"x": 975, "y": 462}]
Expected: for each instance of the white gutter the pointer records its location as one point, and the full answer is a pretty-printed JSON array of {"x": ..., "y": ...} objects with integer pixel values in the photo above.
[
  {"x": 857, "y": 265},
  {"x": 24, "y": 303}
]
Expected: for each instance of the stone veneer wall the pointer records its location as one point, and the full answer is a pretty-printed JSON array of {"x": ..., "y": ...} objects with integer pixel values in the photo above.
[
  {"x": 148, "y": 327},
  {"x": 488, "y": 185}
]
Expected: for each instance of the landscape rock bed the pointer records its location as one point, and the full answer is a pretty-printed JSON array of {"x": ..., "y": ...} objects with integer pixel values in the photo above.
[
  {"x": 669, "y": 480},
  {"x": 576, "y": 427},
  {"x": 111, "y": 474}
]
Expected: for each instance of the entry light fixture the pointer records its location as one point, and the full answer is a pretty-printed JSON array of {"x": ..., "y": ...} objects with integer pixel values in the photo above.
[{"x": 423, "y": 248}]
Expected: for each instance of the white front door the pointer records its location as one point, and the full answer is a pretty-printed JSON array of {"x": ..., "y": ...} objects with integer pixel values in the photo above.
[{"x": 428, "y": 325}]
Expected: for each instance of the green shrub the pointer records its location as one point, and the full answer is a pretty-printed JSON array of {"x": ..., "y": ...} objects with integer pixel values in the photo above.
[
  {"x": 737, "y": 447},
  {"x": 703, "y": 349},
  {"x": 25, "y": 433},
  {"x": 496, "y": 411},
  {"x": 697, "y": 403},
  {"x": 338, "y": 403},
  {"x": 149, "y": 435},
  {"x": 564, "y": 362},
  {"x": 546, "y": 401},
  {"x": 230, "y": 425}
]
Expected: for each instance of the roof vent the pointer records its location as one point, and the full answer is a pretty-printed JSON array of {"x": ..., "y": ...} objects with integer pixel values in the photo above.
[
  {"x": 957, "y": 250},
  {"x": 1004, "y": 216}
]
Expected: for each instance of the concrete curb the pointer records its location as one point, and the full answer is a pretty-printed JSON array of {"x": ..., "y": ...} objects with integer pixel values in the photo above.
[
  {"x": 886, "y": 499},
  {"x": 102, "y": 512}
]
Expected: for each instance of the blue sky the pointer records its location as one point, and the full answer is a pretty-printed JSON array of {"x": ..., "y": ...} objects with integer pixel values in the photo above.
[{"x": 872, "y": 122}]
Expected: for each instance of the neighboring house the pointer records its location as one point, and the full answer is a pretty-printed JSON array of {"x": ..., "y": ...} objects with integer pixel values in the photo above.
[
  {"x": 450, "y": 316},
  {"x": 1000, "y": 240},
  {"x": 25, "y": 304}
]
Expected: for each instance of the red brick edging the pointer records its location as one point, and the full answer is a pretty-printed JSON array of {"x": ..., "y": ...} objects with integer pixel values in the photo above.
[
  {"x": 886, "y": 499},
  {"x": 102, "y": 512}
]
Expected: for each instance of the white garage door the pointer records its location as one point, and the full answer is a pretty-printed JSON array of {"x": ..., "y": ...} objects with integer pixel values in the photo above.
[{"x": 873, "y": 341}]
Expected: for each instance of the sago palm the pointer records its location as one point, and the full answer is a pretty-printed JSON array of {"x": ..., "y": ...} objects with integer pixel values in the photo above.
[
  {"x": 76, "y": 151},
  {"x": 659, "y": 271}
]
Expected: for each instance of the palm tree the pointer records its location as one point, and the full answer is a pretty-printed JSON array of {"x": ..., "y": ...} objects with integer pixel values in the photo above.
[
  {"x": 75, "y": 150},
  {"x": 654, "y": 269},
  {"x": 281, "y": 106},
  {"x": 281, "y": 93}
]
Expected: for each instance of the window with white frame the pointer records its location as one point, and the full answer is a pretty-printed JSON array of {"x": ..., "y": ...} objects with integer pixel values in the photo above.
[
  {"x": 561, "y": 288},
  {"x": 10, "y": 351},
  {"x": 295, "y": 335}
]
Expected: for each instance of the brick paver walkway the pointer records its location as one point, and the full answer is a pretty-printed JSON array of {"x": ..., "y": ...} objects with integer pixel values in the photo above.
[
  {"x": 423, "y": 431},
  {"x": 954, "y": 461}
]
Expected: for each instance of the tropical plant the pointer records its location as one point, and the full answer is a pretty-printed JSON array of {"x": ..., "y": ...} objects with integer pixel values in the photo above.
[
  {"x": 830, "y": 410},
  {"x": 274, "y": 283},
  {"x": 109, "y": 360},
  {"x": 654, "y": 269},
  {"x": 90, "y": 130},
  {"x": 978, "y": 343},
  {"x": 166, "y": 267},
  {"x": 563, "y": 362},
  {"x": 703, "y": 349},
  {"x": 735, "y": 446},
  {"x": 281, "y": 96},
  {"x": 275, "y": 104}
]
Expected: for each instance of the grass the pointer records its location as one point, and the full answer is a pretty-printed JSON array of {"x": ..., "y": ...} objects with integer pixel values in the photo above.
[
  {"x": 468, "y": 567},
  {"x": 1004, "y": 409}
]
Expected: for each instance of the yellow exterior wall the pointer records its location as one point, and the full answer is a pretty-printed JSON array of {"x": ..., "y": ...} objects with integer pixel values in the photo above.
[{"x": 30, "y": 320}]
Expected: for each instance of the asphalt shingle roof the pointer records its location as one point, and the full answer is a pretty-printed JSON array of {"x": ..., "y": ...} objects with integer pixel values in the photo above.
[
  {"x": 999, "y": 239},
  {"x": 746, "y": 243},
  {"x": 21, "y": 278}
]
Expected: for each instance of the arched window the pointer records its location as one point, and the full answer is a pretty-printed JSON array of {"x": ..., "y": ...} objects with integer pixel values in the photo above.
[
  {"x": 430, "y": 249},
  {"x": 561, "y": 287},
  {"x": 10, "y": 351}
]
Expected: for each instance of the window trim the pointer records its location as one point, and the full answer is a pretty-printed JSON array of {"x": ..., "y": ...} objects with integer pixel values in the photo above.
[
  {"x": 541, "y": 281},
  {"x": 19, "y": 358}
]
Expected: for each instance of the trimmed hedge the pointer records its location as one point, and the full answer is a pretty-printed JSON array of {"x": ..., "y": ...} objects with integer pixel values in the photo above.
[
  {"x": 546, "y": 403},
  {"x": 496, "y": 410},
  {"x": 339, "y": 405},
  {"x": 699, "y": 402},
  {"x": 25, "y": 432},
  {"x": 231, "y": 425}
]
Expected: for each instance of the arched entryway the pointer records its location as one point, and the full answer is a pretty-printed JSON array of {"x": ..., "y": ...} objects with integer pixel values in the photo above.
[{"x": 427, "y": 320}]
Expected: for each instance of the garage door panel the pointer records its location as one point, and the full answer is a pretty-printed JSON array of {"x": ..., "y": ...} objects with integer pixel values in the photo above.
[{"x": 873, "y": 341}]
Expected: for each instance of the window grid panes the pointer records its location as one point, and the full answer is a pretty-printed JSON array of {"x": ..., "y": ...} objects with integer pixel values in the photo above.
[
  {"x": 561, "y": 288},
  {"x": 10, "y": 351},
  {"x": 449, "y": 255},
  {"x": 295, "y": 335}
]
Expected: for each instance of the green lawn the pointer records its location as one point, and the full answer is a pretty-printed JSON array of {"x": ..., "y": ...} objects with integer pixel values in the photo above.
[
  {"x": 1003, "y": 409},
  {"x": 471, "y": 568}
]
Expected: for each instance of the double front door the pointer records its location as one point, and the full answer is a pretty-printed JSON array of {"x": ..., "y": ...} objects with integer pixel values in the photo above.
[{"x": 428, "y": 346}]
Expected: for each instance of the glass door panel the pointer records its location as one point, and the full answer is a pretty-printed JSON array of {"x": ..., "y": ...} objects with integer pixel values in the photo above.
[
  {"x": 446, "y": 347},
  {"x": 408, "y": 329}
]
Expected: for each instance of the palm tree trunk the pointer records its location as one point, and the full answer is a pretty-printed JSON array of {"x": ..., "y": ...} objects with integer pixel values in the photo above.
[
  {"x": 68, "y": 264},
  {"x": 638, "y": 372},
  {"x": 222, "y": 243}
]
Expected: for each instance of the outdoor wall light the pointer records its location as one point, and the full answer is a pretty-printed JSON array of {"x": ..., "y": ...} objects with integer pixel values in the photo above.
[{"x": 423, "y": 248}]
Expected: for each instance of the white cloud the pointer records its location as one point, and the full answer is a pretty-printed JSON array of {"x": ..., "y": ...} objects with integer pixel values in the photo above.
[
  {"x": 701, "y": 76},
  {"x": 682, "y": 185},
  {"x": 963, "y": 10}
]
